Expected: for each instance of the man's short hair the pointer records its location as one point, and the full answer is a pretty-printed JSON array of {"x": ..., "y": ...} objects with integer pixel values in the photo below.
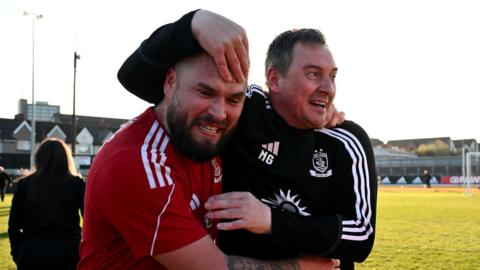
[{"x": 280, "y": 51}]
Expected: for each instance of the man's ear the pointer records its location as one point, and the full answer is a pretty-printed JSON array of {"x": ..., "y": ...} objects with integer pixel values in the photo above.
[
  {"x": 273, "y": 77},
  {"x": 170, "y": 82}
]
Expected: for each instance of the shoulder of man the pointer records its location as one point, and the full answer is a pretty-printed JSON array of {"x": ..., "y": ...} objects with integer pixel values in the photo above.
[
  {"x": 350, "y": 133},
  {"x": 256, "y": 91},
  {"x": 355, "y": 129},
  {"x": 257, "y": 97}
]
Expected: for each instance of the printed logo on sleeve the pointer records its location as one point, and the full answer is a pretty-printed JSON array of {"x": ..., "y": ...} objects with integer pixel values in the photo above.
[{"x": 286, "y": 202}]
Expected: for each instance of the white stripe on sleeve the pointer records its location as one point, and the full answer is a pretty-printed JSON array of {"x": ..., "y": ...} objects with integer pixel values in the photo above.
[{"x": 360, "y": 228}]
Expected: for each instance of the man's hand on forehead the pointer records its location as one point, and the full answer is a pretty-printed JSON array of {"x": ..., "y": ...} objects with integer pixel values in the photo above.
[{"x": 225, "y": 41}]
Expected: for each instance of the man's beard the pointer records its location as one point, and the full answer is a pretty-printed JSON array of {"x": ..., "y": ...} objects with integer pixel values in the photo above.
[{"x": 182, "y": 138}]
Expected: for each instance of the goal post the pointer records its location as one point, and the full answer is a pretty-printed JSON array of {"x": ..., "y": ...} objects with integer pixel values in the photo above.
[{"x": 472, "y": 171}]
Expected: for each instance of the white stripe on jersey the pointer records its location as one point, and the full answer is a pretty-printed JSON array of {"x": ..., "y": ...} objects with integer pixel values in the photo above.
[
  {"x": 146, "y": 163},
  {"x": 361, "y": 226},
  {"x": 164, "y": 158},
  {"x": 152, "y": 147},
  {"x": 154, "y": 158},
  {"x": 158, "y": 220}
]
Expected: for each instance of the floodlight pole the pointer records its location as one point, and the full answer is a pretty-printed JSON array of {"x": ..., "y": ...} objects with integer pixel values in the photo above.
[
  {"x": 32, "y": 135},
  {"x": 74, "y": 120}
]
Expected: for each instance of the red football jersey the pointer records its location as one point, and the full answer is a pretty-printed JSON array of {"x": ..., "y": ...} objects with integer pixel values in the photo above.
[{"x": 144, "y": 198}]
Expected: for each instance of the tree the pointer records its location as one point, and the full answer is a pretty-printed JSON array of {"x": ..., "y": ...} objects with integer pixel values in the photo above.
[{"x": 437, "y": 148}]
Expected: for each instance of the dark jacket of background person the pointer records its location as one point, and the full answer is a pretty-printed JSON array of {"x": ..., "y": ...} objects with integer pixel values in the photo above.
[
  {"x": 44, "y": 224},
  {"x": 5, "y": 180},
  {"x": 426, "y": 178}
]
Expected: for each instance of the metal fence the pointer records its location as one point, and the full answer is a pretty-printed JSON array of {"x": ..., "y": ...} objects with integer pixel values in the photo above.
[{"x": 440, "y": 165}]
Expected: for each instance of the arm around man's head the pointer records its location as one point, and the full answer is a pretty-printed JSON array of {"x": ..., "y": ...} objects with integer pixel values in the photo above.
[{"x": 143, "y": 73}]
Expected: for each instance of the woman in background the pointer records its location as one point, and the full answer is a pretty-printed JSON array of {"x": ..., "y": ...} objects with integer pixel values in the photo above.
[{"x": 44, "y": 224}]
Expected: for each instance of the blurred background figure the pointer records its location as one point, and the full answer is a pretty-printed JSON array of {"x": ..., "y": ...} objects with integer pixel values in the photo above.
[
  {"x": 44, "y": 224},
  {"x": 426, "y": 178},
  {"x": 5, "y": 180}
]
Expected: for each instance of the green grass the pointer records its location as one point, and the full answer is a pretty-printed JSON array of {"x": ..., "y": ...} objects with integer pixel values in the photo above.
[
  {"x": 416, "y": 229},
  {"x": 426, "y": 229},
  {"x": 6, "y": 262}
]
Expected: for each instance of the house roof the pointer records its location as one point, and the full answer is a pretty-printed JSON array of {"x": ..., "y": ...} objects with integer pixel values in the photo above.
[
  {"x": 7, "y": 127},
  {"x": 43, "y": 128},
  {"x": 90, "y": 121},
  {"x": 417, "y": 142},
  {"x": 98, "y": 127}
]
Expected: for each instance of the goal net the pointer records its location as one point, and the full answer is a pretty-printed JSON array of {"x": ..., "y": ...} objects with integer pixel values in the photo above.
[{"x": 472, "y": 171}]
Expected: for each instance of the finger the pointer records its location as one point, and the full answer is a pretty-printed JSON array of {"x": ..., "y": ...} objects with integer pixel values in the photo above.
[
  {"x": 245, "y": 41},
  {"x": 332, "y": 115},
  {"x": 234, "y": 63},
  {"x": 229, "y": 195},
  {"x": 232, "y": 225},
  {"x": 244, "y": 61},
  {"x": 225, "y": 214},
  {"x": 222, "y": 66},
  {"x": 336, "y": 263},
  {"x": 341, "y": 117},
  {"x": 242, "y": 53},
  {"x": 216, "y": 204},
  {"x": 247, "y": 49},
  {"x": 333, "y": 122},
  {"x": 338, "y": 118}
]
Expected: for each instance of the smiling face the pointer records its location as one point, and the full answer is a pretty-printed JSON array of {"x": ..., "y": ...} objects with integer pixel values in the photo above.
[
  {"x": 202, "y": 108},
  {"x": 304, "y": 94}
]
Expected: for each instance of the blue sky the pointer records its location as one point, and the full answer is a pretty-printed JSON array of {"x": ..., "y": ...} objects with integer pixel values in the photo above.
[{"x": 407, "y": 69}]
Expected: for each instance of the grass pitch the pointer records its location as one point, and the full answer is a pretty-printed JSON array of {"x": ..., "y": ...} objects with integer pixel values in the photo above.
[
  {"x": 417, "y": 228},
  {"x": 6, "y": 262}
]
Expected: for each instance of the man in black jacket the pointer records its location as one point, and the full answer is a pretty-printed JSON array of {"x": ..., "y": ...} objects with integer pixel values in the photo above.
[
  {"x": 426, "y": 178},
  {"x": 317, "y": 185},
  {"x": 5, "y": 180}
]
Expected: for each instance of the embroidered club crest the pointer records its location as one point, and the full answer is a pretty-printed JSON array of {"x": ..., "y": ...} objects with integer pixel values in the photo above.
[{"x": 320, "y": 164}]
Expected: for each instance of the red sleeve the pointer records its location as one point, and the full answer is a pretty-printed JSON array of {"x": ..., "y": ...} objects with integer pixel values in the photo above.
[{"x": 152, "y": 220}]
